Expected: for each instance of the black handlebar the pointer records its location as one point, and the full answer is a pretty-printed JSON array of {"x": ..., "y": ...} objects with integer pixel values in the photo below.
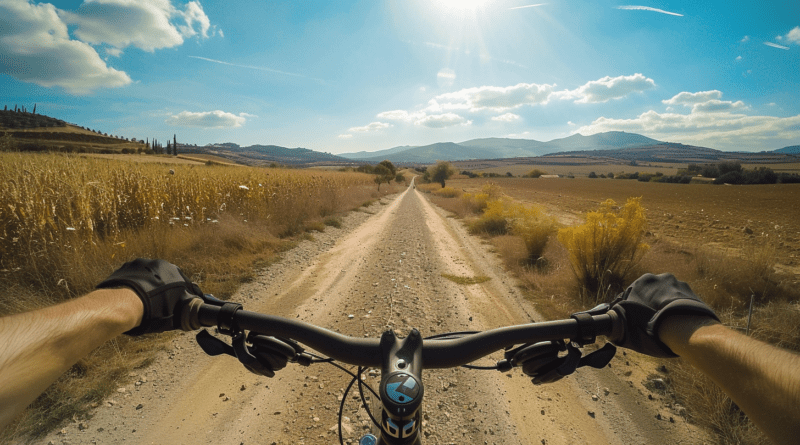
[{"x": 436, "y": 353}]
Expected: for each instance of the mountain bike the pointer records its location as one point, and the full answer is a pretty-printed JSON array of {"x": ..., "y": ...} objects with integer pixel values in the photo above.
[{"x": 546, "y": 352}]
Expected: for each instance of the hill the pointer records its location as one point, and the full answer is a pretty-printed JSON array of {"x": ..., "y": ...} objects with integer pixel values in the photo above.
[
  {"x": 27, "y": 131},
  {"x": 499, "y": 148},
  {"x": 376, "y": 154},
  {"x": 670, "y": 152},
  {"x": 794, "y": 149},
  {"x": 267, "y": 154},
  {"x": 600, "y": 141}
]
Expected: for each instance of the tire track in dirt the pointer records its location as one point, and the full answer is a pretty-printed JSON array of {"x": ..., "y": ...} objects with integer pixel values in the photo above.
[{"x": 385, "y": 273}]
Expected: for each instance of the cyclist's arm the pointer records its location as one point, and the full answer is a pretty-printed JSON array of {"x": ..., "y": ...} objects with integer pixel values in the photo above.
[
  {"x": 761, "y": 379},
  {"x": 37, "y": 347}
]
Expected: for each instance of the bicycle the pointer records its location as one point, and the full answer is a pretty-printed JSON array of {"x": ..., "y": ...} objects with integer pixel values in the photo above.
[{"x": 264, "y": 343}]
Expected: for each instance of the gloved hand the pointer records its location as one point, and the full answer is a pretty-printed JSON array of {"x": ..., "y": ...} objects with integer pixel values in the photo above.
[
  {"x": 540, "y": 361},
  {"x": 163, "y": 289},
  {"x": 649, "y": 301}
]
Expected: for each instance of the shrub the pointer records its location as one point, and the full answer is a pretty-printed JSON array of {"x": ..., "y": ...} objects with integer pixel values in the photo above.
[
  {"x": 605, "y": 248},
  {"x": 448, "y": 192},
  {"x": 493, "y": 221},
  {"x": 592, "y": 175},
  {"x": 533, "y": 226},
  {"x": 475, "y": 203}
]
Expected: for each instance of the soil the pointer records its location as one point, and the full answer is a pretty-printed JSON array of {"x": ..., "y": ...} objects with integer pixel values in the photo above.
[
  {"x": 729, "y": 219},
  {"x": 382, "y": 270}
]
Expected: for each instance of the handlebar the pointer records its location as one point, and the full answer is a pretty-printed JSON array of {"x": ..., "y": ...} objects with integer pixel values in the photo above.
[{"x": 436, "y": 353}]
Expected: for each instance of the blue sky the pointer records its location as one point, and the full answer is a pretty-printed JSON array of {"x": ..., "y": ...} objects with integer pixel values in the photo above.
[{"x": 348, "y": 76}]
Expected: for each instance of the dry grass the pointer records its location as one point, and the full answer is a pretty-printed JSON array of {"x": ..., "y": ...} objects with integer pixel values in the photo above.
[
  {"x": 696, "y": 234},
  {"x": 68, "y": 222},
  {"x": 605, "y": 249}
]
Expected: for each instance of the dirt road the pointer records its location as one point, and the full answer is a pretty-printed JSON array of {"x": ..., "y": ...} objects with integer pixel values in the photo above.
[{"x": 382, "y": 270}]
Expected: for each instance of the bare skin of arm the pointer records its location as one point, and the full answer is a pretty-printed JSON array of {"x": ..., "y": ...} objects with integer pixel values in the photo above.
[
  {"x": 37, "y": 347},
  {"x": 761, "y": 379}
]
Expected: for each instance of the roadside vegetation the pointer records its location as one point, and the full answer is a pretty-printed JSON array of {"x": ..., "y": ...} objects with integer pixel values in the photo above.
[
  {"x": 610, "y": 246},
  {"x": 67, "y": 222}
]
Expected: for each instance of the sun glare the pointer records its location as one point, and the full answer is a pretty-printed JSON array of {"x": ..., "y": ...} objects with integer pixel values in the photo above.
[{"x": 462, "y": 5}]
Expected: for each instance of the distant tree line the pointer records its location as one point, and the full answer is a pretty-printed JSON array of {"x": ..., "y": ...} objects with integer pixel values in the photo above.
[
  {"x": 726, "y": 172},
  {"x": 731, "y": 172}
]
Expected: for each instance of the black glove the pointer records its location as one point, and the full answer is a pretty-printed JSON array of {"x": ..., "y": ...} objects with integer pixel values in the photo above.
[
  {"x": 649, "y": 301},
  {"x": 540, "y": 361},
  {"x": 163, "y": 289}
]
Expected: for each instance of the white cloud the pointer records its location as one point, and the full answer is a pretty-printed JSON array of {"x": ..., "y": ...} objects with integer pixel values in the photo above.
[
  {"x": 716, "y": 106},
  {"x": 775, "y": 45},
  {"x": 401, "y": 115},
  {"x": 711, "y": 122},
  {"x": 738, "y": 58},
  {"x": 686, "y": 98},
  {"x": 608, "y": 88},
  {"x": 35, "y": 47},
  {"x": 345, "y": 136},
  {"x": 207, "y": 119},
  {"x": 375, "y": 126},
  {"x": 442, "y": 120},
  {"x": 496, "y": 98},
  {"x": 195, "y": 16},
  {"x": 648, "y": 8},
  {"x": 508, "y": 117},
  {"x": 145, "y": 24},
  {"x": 794, "y": 35},
  {"x": 745, "y": 39},
  {"x": 704, "y": 102}
]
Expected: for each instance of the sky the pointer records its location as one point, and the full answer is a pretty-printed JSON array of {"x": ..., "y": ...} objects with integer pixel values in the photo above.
[{"x": 347, "y": 76}]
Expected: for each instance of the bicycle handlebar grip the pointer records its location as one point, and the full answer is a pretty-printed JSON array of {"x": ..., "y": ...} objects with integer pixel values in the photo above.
[
  {"x": 189, "y": 315},
  {"x": 617, "y": 327}
]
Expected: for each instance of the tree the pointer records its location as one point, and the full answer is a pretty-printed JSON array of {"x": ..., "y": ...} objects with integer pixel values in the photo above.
[
  {"x": 385, "y": 171},
  {"x": 174, "y": 145},
  {"x": 441, "y": 172}
]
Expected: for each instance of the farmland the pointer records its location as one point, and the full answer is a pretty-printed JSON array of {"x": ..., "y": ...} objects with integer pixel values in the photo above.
[
  {"x": 737, "y": 246},
  {"x": 68, "y": 221},
  {"x": 722, "y": 217}
]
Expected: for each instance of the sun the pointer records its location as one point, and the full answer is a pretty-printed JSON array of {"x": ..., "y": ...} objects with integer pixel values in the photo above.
[{"x": 462, "y": 5}]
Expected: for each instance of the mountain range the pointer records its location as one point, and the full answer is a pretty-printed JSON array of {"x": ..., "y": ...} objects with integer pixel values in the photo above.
[
  {"x": 32, "y": 131},
  {"x": 617, "y": 145},
  {"x": 497, "y": 148}
]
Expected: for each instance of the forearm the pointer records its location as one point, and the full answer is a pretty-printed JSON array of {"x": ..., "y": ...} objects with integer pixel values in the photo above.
[
  {"x": 37, "y": 347},
  {"x": 761, "y": 379}
]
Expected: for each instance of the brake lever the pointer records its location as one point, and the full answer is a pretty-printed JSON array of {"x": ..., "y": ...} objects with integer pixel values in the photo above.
[{"x": 212, "y": 345}]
